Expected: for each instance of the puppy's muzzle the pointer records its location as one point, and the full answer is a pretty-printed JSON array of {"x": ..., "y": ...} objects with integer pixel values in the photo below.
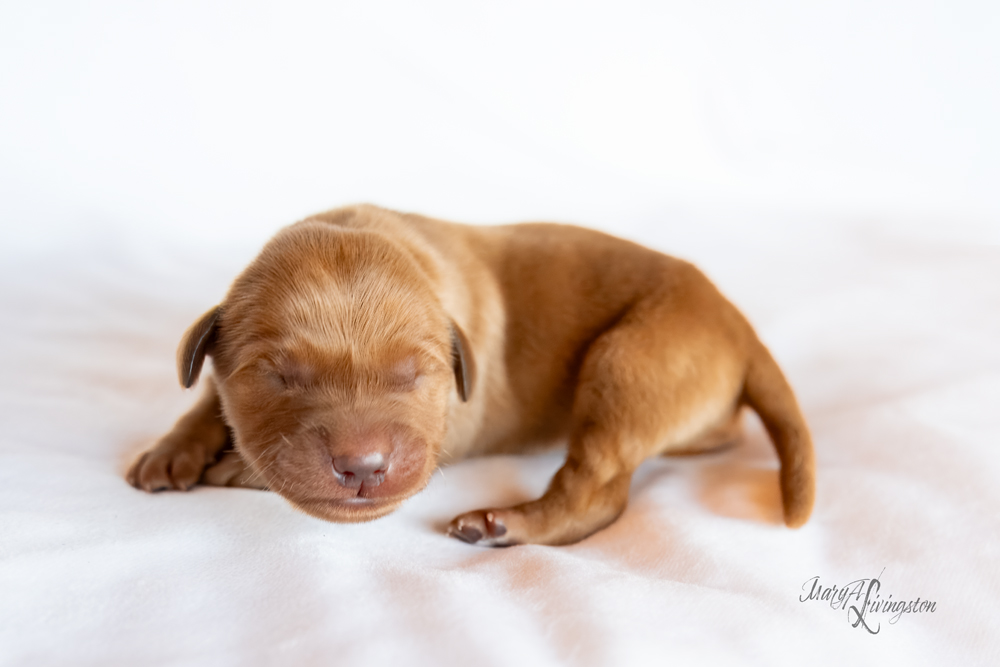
[
  {"x": 354, "y": 471},
  {"x": 362, "y": 460}
]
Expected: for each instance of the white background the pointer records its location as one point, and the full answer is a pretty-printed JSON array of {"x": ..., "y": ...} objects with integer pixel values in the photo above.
[
  {"x": 832, "y": 166},
  {"x": 211, "y": 116}
]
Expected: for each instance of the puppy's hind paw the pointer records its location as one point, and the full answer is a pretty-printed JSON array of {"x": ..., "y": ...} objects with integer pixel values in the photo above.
[{"x": 483, "y": 527}]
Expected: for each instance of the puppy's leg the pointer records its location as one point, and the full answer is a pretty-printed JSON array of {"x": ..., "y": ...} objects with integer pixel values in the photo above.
[
  {"x": 726, "y": 434},
  {"x": 232, "y": 470},
  {"x": 586, "y": 494},
  {"x": 655, "y": 382},
  {"x": 179, "y": 458}
]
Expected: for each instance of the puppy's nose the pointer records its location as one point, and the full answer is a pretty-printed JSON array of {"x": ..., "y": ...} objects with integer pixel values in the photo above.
[{"x": 353, "y": 471}]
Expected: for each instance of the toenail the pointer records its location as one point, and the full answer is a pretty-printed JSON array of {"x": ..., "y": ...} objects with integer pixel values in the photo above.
[{"x": 468, "y": 534}]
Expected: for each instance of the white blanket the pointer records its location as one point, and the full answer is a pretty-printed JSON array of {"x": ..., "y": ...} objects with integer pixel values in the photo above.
[
  {"x": 891, "y": 345},
  {"x": 833, "y": 171}
]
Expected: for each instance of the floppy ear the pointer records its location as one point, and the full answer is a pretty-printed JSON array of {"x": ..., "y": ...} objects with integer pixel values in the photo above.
[
  {"x": 463, "y": 362},
  {"x": 195, "y": 344}
]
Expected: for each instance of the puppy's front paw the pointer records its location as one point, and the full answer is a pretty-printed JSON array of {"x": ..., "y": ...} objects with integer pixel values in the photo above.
[
  {"x": 168, "y": 466},
  {"x": 231, "y": 470},
  {"x": 486, "y": 528}
]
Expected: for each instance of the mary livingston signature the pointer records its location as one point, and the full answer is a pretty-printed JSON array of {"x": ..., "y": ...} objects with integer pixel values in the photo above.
[{"x": 867, "y": 598}]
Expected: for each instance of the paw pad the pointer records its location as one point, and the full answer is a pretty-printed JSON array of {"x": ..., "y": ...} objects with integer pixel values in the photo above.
[{"x": 483, "y": 527}]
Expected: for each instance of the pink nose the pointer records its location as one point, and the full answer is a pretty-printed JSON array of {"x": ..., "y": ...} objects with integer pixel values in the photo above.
[{"x": 353, "y": 471}]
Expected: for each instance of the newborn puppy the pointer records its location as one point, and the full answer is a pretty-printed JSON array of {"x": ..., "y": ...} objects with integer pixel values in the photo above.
[{"x": 364, "y": 347}]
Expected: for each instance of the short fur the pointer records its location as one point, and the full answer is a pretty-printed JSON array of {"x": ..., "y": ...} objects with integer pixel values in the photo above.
[{"x": 364, "y": 347}]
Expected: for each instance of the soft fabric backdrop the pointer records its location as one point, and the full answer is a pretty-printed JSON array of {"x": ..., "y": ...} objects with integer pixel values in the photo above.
[{"x": 832, "y": 166}]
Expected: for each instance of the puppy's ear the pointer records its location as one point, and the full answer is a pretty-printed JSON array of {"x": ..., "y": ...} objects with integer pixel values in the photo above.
[
  {"x": 196, "y": 343},
  {"x": 463, "y": 362}
]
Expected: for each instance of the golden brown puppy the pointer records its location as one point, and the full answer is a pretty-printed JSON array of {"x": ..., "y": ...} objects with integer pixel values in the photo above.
[{"x": 364, "y": 347}]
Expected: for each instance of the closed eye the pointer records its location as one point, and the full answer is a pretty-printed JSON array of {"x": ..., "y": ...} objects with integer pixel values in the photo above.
[
  {"x": 288, "y": 376},
  {"x": 402, "y": 376},
  {"x": 401, "y": 384}
]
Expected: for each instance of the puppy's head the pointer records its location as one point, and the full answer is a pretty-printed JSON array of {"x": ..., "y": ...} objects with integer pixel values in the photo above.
[{"x": 335, "y": 362}]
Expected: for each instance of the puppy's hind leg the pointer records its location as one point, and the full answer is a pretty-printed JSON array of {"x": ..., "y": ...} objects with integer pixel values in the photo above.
[
  {"x": 722, "y": 436},
  {"x": 640, "y": 392}
]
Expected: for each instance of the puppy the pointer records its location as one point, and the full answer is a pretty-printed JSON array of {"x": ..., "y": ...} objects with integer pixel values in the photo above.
[{"x": 364, "y": 347}]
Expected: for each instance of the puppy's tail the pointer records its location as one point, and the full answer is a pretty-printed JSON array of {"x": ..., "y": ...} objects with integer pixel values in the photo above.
[{"x": 768, "y": 393}]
